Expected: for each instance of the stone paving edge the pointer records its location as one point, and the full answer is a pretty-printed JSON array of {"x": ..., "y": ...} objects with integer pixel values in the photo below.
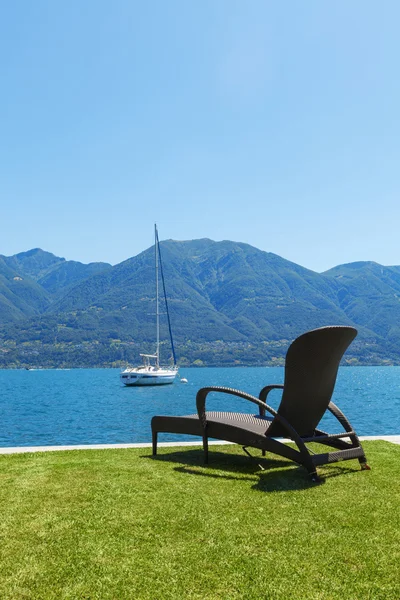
[{"x": 394, "y": 439}]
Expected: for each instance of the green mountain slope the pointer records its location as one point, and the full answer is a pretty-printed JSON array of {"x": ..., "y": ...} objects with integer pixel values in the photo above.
[
  {"x": 65, "y": 275},
  {"x": 229, "y": 302},
  {"x": 33, "y": 263},
  {"x": 29, "y": 281},
  {"x": 122, "y": 301},
  {"x": 20, "y": 296},
  {"x": 369, "y": 294},
  {"x": 216, "y": 291}
]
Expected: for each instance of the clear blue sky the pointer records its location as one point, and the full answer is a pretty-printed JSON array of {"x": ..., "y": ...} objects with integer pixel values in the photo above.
[{"x": 274, "y": 123}]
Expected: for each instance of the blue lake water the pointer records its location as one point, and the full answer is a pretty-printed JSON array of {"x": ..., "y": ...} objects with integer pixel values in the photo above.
[{"x": 90, "y": 406}]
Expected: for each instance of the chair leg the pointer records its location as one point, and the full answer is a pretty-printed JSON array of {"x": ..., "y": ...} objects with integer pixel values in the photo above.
[
  {"x": 253, "y": 458},
  {"x": 315, "y": 478},
  {"x": 364, "y": 465},
  {"x": 311, "y": 468},
  {"x": 154, "y": 443},
  {"x": 205, "y": 448}
]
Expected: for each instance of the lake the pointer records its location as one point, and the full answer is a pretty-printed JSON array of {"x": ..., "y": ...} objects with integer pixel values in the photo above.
[{"x": 90, "y": 406}]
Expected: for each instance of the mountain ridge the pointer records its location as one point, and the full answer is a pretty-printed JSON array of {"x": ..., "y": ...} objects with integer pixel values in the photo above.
[{"x": 218, "y": 292}]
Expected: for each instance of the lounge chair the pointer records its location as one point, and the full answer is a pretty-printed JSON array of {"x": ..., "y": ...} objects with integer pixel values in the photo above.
[{"x": 311, "y": 367}]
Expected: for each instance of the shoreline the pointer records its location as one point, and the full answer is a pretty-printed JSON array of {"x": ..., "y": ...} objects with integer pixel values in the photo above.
[{"x": 394, "y": 439}]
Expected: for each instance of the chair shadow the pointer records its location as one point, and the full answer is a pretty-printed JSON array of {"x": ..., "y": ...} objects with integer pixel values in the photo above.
[
  {"x": 296, "y": 478},
  {"x": 273, "y": 475},
  {"x": 219, "y": 460}
]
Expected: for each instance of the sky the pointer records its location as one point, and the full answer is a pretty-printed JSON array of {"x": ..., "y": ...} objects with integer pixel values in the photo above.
[{"x": 274, "y": 123}]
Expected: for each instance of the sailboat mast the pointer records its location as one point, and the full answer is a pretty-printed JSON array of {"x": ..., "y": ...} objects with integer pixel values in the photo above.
[{"x": 157, "y": 304}]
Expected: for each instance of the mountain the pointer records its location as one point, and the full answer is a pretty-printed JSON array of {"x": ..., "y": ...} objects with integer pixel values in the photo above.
[
  {"x": 20, "y": 296},
  {"x": 33, "y": 263},
  {"x": 216, "y": 291},
  {"x": 230, "y": 303},
  {"x": 37, "y": 277},
  {"x": 369, "y": 294}
]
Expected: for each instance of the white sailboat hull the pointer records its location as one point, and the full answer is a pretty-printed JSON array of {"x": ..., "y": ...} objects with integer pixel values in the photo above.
[{"x": 140, "y": 376}]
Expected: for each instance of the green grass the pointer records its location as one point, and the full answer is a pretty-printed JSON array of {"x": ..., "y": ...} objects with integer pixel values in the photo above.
[{"x": 116, "y": 524}]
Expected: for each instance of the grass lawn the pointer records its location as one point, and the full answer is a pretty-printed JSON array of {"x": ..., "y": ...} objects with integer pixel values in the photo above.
[{"x": 116, "y": 524}]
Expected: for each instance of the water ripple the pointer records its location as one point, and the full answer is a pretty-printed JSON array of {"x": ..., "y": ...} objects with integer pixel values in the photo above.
[{"x": 89, "y": 406}]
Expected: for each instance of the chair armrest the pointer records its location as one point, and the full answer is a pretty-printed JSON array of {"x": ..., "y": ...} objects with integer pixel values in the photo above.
[
  {"x": 203, "y": 393},
  {"x": 201, "y": 410},
  {"x": 264, "y": 393},
  {"x": 340, "y": 416}
]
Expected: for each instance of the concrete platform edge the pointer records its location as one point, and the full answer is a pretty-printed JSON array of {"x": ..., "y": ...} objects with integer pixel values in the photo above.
[{"x": 394, "y": 439}]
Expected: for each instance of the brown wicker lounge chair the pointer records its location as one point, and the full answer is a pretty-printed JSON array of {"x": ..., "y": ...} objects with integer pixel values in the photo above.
[{"x": 311, "y": 367}]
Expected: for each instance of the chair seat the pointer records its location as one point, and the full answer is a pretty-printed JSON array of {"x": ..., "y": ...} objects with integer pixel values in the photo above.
[
  {"x": 190, "y": 424},
  {"x": 252, "y": 423}
]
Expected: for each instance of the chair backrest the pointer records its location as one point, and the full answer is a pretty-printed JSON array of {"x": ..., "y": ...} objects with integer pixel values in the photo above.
[{"x": 311, "y": 367}]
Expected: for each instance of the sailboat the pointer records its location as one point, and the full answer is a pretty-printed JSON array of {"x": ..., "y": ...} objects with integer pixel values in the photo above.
[{"x": 150, "y": 372}]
